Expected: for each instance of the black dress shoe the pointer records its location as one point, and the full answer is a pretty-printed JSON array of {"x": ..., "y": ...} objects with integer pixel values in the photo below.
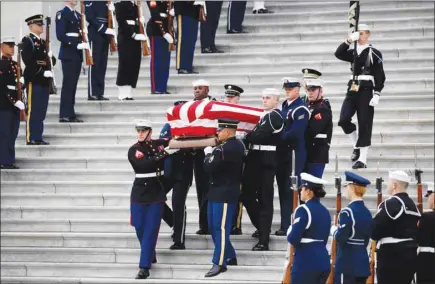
[
  {"x": 154, "y": 259},
  {"x": 280, "y": 232},
  {"x": 232, "y": 261},
  {"x": 237, "y": 32},
  {"x": 9, "y": 167},
  {"x": 355, "y": 155},
  {"x": 202, "y": 232},
  {"x": 37, "y": 142},
  {"x": 215, "y": 270},
  {"x": 42, "y": 142},
  {"x": 70, "y": 119},
  {"x": 143, "y": 274},
  {"x": 183, "y": 71},
  {"x": 263, "y": 11},
  {"x": 103, "y": 98},
  {"x": 256, "y": 234},
  {"x": 359, "y": 165},
  {"x": 92, "y": 98},
  {"x": 177, "y": 246},
  {"x": 215, "y": 50},
  {"x": 207, "y": 50},
  {"x": 160, "y": 93},
  {"x": 260, "y": 247},
  {"x": 236, "y": 231}
]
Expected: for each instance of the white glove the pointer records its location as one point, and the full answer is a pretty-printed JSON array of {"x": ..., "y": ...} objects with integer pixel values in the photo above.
[
  {"x": 202, "y": 3},
  {"x": 353, "y": 37},
  {"x": 333, "y": 229},
  {"x": 50, "y": 54},
  {"x": 111, "y": 7},
  {"x": 374, "y": 101},
  {"x": 171, "y": 151},
  {"x": 110, "y": 32},
  {"x": 168, "y": 38},
  {"x": 208, "y": 150},
  {"x": 142, "y": 19},
  {"x": 48, "y": 74},
  {"x": 20, "y": 105},
  {"x": 83, "y": 45},
  {"x": 21, "y": 80},
  {"x": 172, "y": 12},
  {"x": 140, "y": 37}
]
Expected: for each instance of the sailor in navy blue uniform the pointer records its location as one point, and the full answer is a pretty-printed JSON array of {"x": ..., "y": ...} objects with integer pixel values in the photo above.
[
  {"x": 68, "y": 32},
  {"x": 224, "y": 164},
  {"x": 236, "y": 15},
  {"x": 209, "y": 27},
  {"x": 99, "y": 36},
  {"x": 319, "y": 130},
  {"x": 309, "y": 234},
  {"x": 296, "y": 116},
  {"x": 353, "y": 234},
  {"x": 148, "y": 194},
  {"x": 395, "y": 230}
]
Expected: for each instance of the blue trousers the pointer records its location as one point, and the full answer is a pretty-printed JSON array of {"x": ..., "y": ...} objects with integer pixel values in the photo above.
[
  {"x": 316, "y": 169},
  {"x": 9, "y": 126},
  {"x": 37, "y": 100},
  {"x": 236, "y": 15},
  {"x": 309, "y": 277},
  {"x": 219, "y": 217},
  {"x": 97, "y": 72},
  {"x": 348, "y": 279},
  {"x": 208, "y": 29},
  {"x": 146, "y": 219},
  {"x": 160, "y": 62},
  {"x": 71, "y": 73},
  {"x": 187, "y": 34}
]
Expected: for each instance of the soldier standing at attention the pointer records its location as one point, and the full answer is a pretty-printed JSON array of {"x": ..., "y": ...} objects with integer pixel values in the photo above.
[
  {"x": 209, "y": 27},
  {"x": 236, "y": 15}
]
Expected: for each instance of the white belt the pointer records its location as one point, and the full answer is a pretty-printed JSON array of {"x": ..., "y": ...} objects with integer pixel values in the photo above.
[
  {"x": 321, "y": 135},
  {"x": 13, "y": 88},
  {"x": 426, "y": 249},
  {"x": 131, "y": 22},
  {"x": 390, "y": 240},
  {"x": 264, "y": 147},
  {"x": 364, "y": 78},
  {"x": 148, "y": 175},
  {"x": 308, "y": 240},
  {"x": 72, "y": 34}
]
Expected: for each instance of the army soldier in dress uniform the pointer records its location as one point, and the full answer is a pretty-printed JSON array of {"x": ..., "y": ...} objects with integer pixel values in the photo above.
[
  {"x": 363, "y": 95},
  {"x": 99, "y": 39},
  {"x": 296, "y": 116},
  {"x": 68, "y": 32},
  {"x": 260, "y": 168},
  {"x": 236, "y": 15},
  {"x": 129, "y": 47},
  {"x": 426, "y": 241},
  {"x": 353, "y": 234},
  {"x": 319, "y": 130},
  {"x": 224, "y": 164},
  {"x": 309, "y": 234},
  {"x": 209, "y": 27},
  {"x": 395, "y": 230},
  {"x": 37, "y": 75},
  {"x": 9, "y": 104},
  {"x": 148, "y": 194}
]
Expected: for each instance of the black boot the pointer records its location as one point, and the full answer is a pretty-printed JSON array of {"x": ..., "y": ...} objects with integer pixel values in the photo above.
[
  {"x": 215, "y": 270},
  {"x": 359, "y": 165},
  {"x": 144, "y": 273},
  {"x": 355, "y": 155}
]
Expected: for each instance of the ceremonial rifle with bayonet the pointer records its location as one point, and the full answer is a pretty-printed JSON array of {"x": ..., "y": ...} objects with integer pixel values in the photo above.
[
  {"x": 417, "y": 173},
  {"x": 88, "y": 53},
  {"x": 171, "y": 46},
  {"x": 353, "y": 27},
  {"x": 111, "y": 24},
  {"x": 145, "y": 48},
  {"x": 52, "y": 89}
]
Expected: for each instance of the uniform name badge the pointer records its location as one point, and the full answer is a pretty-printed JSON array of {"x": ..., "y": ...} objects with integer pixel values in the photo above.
[{"x": 354, "y": 87}]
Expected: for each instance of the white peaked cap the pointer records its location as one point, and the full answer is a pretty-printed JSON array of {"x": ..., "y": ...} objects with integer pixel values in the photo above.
[
  {"x": 143, "y": 123},
  {"x": 200, "y": 82},
  {"x": 313, "y": 82},
  {"x": 312, "y": 179},
  {"x": 430, "y": 186},
  {"x": 363, "y": 27},
  {"x": 6, "y": 39},
  {"x": 399, "y": 176},
  {"x": 270, "y": 91}
]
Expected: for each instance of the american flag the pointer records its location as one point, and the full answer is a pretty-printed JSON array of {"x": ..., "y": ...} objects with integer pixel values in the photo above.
[{"x": 199, "y": 118}]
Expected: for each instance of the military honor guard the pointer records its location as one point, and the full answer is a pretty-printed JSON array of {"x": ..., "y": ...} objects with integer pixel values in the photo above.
[
  {"x": 395, "y": 230},
  {"x": 426, "y": 241},
  {"x": 224, "y": 164},
  {"x": 37, "y": 75},
  {"x": 148, "y": 196},
  {"x": 187, "y": 14},
  {"x": 68, "y": 32},
  {"x": 353, "y": 234},
  {"x": 296, "y": 116},
  {"x": 260, "y": 8},
  {"x": 10, "y": 105},
  {"x": 129, "y": 47},
  {"x": 363, "y": 92},
  {"x": 209, "y": 27},
  {"x": 309, "y": 234},
  {"x": 99, "y": 39},
  {"x": 318, "y": 134},
  {"x": 260, "y": 168},
  {"x": 236, "y": 15},
  {"x": 160, "y": 38}
]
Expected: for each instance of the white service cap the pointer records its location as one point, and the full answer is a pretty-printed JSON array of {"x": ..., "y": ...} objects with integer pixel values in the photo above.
[
  {"x": 8, "y": 39},
  {"x": 310, "y": 83},
  {"x": 399, "y": 176},
  {"x": 363, "y": 27},
  {"x": 270, "y": 91},
  {"x": 200, "y": 82},
  {"x": 143, "y": 124}
]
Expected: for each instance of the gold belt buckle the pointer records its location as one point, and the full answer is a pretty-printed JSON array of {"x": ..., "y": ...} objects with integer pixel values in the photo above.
[{"x": 354, "y": 87}]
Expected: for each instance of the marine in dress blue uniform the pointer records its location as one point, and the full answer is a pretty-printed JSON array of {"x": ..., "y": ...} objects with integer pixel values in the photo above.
[
  {"x": 99, "y": 36},
  {"x": 37, "y": 75},
  {"x": 236, "y": 15},
  {"x": 319, "y": 130},
  {"x": 309, "y": 234},
  {"x": 224, "y": 164},
  {"x": 148, "y": 195},
  {"x": 296, "y": 116},
  {"x": 209, "y": 27},
  {"x": 68, "y": 32},
  {"x": 9, "y": 105},
  {"x": 353, "y": 234}
]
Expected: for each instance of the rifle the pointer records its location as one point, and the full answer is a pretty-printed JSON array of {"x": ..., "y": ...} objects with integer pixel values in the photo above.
[
  {"x": 203, "y": 13},
  {"x": 171, "y": 46},
  {"x": 23, "y": 116},
  {"x": 338, "y": 209},
  {"x": 417, "y": 173},
  {"x": 145, "y": 49},
  {"x": 88, "y": 54},
  {"x": 371, "y": 278},
  {"x": 111, "y": 25},
  {"x": 52, "y": 90},
  {"x": 353, "y": 27},
  {"x": 290, "y": 249}
]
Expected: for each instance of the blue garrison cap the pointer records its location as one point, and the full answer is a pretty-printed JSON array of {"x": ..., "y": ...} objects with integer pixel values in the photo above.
[
  {"x": 227, "y": 123},
  {"x": 353, "y": 178}
]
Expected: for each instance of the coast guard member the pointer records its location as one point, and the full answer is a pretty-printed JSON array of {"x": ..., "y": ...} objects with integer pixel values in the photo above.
[
  {"x": 68, "y": 32},
  {"x": 426, "y": 241},
  {"x": 260, "y": 168},
  {"x": 37, "y": 76},
  {"x": 99, "y": 37},
  {"x": 224, "y": 164},
  {"x": 309, "y": 234},
  {"x": 236, "y": 15},
  {"x": 319, "y": 130},
  {"x": 353, "y": 234},
  {"x": 296, "y": 116},
  {"x": 9, "y": 104},
  {"x": 147, "y": 195},
  {"x": 209, "y": 27},
  {"x": 395, "y": 230},
  {"x": 363, "y": 96}
]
